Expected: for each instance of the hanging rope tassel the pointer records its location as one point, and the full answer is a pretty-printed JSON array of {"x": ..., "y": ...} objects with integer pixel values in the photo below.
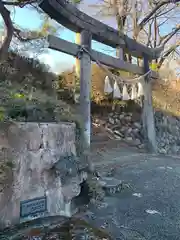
[
  {"x": 116, "y": 91},
  {"x": 125, "y": 95},
  {"x": 107, "y": 85},
  {"x": 133, "y": 92},
  {"x": 140, "y": 90}
]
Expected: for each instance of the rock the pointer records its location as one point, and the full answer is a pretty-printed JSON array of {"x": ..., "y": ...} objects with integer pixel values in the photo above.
[
  {"x": 115, "y": 127},
  {"x": 123, "y": 129},
  {"x": 162, "y": 150},
  {"x": 161, "y": 144},
  {"x": 137, "y": 142},
  {"x": 175, "y": 149},
  {"x": 67, "y": 167},
  {"x": 129, "y": 139},
  {"x": 110, "y": 185},
  {"x": 53, "y": 136},
  {"x": 121, "y": 116},
  {"x": 109, "y": 182},
  {"x": 129, "y": 130},
  {"x": 135, "y": 130},
  {"x": 117, "y": 137},
  {"x": 111, "y": 114},
  {"x": 137, "y": 125},
  {"x": 116, "y": 132},
  {"x": 141, "y": 146},
  {"x": 168, "y": 134},
  {"x": 70, "y": 191},
  {"x": 34, "y": 137},
  {"x": 158, "y": 115},
  {"x": 109, "y": 130},
  {"x": 117, "y": 121},
  {"x": 111, "y": 121},
  {"x": 31, "y": 173},
  {"x": 128, "y": 126},
  {"x": 136, "y": 117},
  {"x": 171, "y": 121},
  {"x": 178, "y": 141},
  {"x": 128, "y": 118}
]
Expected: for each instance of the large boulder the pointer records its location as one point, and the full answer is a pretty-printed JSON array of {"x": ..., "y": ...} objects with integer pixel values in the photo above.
[{"x": 29, "y": 152}]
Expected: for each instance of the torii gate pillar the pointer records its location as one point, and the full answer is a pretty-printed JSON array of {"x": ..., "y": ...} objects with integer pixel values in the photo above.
[
  {"x": 85, "y": 86},
  {"x": 148, "y": 113}
]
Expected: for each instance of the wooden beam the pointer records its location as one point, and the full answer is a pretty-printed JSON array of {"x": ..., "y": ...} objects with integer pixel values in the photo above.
[
  {"x": 72, "y": 49},
  {"x": 69, "y": 16},
  {"x": 148, "y": 113},
  {"x": 85, "y": 86}
]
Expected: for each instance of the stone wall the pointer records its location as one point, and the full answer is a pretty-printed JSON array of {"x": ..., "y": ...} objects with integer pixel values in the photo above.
[
  {"x": 127, "y": 126},
  {"x": 168, "y": 133},
  {"x": 123, "y": 126},
  {"x": 28, "y": 154}
]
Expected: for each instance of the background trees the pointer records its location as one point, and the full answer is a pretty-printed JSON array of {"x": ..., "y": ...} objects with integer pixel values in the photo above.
[
  {"x": 153, "y": 23},
  {"x": 23, "y": 40}
]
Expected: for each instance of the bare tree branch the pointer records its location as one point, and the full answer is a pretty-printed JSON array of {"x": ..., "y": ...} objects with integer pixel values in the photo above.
[
  {"x": 167, "y": 53},
  {"x": 26, "y": 36},
  {"x": 163, "y": 22},
  {"x": 9, "y": 31},
  {"x": 148, "y": 35},
  {"x": 150, "y": 15},
  {"x": 20, "y": 3},
  {"x": 167, "y": 37}
]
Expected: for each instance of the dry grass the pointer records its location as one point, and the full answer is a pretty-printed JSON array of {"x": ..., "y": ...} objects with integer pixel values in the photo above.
[
  {"x": 97, "y": 81},
  {"x": 166, "y": 97}
]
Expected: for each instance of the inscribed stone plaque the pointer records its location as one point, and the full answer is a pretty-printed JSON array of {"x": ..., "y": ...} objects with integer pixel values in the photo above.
[{"x": 33, "y": 206}]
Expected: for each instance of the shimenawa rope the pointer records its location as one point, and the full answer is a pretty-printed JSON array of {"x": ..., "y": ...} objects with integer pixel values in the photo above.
[{"x": 109, "y": 73}]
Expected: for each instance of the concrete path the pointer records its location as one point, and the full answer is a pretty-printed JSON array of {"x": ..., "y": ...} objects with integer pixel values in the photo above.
[{"x": 149, "y": 207}]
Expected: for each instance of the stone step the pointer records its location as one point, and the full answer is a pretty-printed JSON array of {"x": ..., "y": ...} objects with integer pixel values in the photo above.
[{"x": 110, "y": 185}]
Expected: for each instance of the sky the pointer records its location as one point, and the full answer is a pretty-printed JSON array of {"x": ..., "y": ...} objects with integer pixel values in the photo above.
[
  {"x": 30, "y": 19},
  {"x": 56, "y": 60}
]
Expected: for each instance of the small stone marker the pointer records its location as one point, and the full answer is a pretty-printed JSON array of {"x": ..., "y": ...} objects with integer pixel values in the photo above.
[
  {"x": 110, "y": 185},
  {"x": 31, "y": 207}
]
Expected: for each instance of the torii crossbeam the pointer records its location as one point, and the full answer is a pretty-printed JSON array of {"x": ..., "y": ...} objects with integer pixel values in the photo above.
[{"x": 69, "y": 16}]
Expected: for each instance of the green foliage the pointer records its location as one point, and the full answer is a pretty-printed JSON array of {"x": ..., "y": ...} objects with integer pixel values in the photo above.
[
  {"x": 26, "y": 91},
  {"x": 9, "y": 164},
  {"x": 76, "y": 1},
  {"x": 26, "y": 73}
]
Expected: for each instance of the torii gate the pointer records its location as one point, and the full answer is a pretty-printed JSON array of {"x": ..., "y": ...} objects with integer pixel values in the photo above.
[{"x": 69, "y": 16}]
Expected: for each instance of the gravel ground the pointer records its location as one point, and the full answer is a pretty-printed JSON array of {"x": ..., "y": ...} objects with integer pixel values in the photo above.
[{"x": 149, "y": 205}]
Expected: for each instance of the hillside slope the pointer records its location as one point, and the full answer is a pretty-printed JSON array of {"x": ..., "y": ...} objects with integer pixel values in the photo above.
[{"x": 27, "y": 91}]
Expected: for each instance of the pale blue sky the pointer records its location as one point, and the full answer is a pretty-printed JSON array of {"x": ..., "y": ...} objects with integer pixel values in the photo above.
[
  {"x": 27, "y": 18},
  {"x": 33, "y": 21},
  {"x": 57, "y": 60}
]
